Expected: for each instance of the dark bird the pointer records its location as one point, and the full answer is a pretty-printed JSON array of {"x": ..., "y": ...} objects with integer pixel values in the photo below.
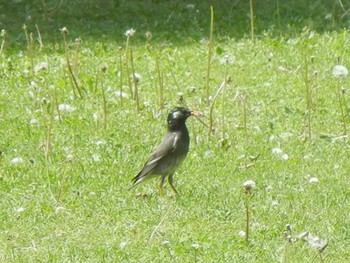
[{"x": 171, "y": 151}]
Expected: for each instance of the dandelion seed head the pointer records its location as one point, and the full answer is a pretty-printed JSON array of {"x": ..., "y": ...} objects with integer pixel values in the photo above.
[
  {"x": 31, "y": 95},
  {"x": 227, "y": 59},
  {"x": 96, "y": 157},
  {"x": 40, "y": 66},
  {"x": 315, "y": 242},
  {"x": 274, "y": 203},
  {"x": 137, "y": 77},
  {"x": 45, "y": 101},
  {"x": 340, "y": 71},
  {"x": 250, "y": 184},
  {"x": 148, "y": 35},
  {"x": 3, "y": 33},
  {"x": 66, "y": 108},
  {"x": 285, "y": 135},
  {"x": 19, "y": 210},
  {"x": 17, "y": 160},
  {"x": 146, "y": 103},
  {"x": 242, "y": 233},
  {"x": 33, "y": 121},
  {"x": 58, "y": 209},
  {"x": 69, "y": 157},
  {"x": 276, "y": 151},
  {"x": 100, "y": 142},
  {"x": 195, "y": 246},
  {"x": 64, "y": 31},
  {"x": 328, "y": 16},
  {"x": 122, "y": 244},
  {"x": 208, "y": 154},
  {"x": 33, "y": 84},
  {"x": 313, "y": 180},
  {"x": 121, "y": 94},
  {"x": 285, "y": 157},
  {"x": 130, "y": 32},
  {"x": 190, "y": 6},
  {"x": 204, "y": 41}
]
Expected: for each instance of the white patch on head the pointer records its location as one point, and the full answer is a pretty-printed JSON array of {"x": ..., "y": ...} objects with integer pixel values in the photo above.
[{"x": 177, "y": 115}]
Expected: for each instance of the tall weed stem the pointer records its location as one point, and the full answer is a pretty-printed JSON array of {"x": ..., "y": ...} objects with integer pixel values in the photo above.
[
  {"x": 210, "y": 47},
  {"x": 221, "y": 87},
  {"x": 71, "y": 75}
]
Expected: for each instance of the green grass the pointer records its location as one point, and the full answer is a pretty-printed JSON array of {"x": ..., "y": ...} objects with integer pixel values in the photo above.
[{"x": 67, "y": 201}]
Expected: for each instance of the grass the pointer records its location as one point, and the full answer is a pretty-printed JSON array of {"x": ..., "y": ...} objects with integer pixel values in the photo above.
[{"x": 67, "y": 161}]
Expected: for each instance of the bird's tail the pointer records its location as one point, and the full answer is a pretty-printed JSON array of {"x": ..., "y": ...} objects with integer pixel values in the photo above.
[{"x": 136, "y": 180}]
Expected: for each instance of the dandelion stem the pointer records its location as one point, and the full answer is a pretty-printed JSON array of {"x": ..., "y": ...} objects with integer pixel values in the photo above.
[
  {"x": 127, "y": 66},
  {"x": 121, "y": 75},
  {"x": 61, "y": 186},
  {"x": 342, "y": 106},
  {"x": 245, "y": 113},
  {"x": 170, "y": 253},
  {"x": 135, "y": 80},
  {"x": 105, "y": 112},
  {"x": 252, "y": 20},
  {"x": 308, "y": 97},
  {"x": 210, "y": 45},
  {"x": 278, "y": 15},
  {"x": 70, "y": 72},
  {"x": 48, "y": 132},
  {"x": 3, "y": 35},
  {"x": 76, "y": 56},
  {"x": 344, "y": 115},
  {"x": 286, "y": 252},
  {"x": 172, "y": 70},
  {"x": 39, "y": 37},
  {"x": 223, "y": 107},
  {"x": 159, "y": 224},
  {"x": 56, "y": 104},
  {"x": 29, "y": 39},
  {"x": 321, "y": 258},
  {"x": 161, "y": 86},
  {"x": 246, "y": 216},
  {"x": 96, "y": 83},
  {"x": 31, "y": 53},
  {"x": 222, "y": 85}
]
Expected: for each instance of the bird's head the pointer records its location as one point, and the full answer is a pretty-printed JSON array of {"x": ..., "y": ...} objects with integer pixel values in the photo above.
[{"x": 177, "y": 117}]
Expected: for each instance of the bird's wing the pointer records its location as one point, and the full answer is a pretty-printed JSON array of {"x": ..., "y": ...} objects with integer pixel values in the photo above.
[{"x": 167, "y": 145}]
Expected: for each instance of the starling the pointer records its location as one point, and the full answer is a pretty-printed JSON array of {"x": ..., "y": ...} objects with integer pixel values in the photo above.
[{"x": 171, "y": 151}]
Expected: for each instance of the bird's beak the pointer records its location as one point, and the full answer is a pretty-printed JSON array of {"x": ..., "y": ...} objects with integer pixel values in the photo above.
[{"x": 196, "y": 113}]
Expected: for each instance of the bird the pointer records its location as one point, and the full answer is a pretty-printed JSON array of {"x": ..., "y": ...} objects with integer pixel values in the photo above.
[{"x": 171, "y": 152}]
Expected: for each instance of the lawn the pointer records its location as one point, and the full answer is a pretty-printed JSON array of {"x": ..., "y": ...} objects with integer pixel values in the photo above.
[{"x": 76, "y": 127}]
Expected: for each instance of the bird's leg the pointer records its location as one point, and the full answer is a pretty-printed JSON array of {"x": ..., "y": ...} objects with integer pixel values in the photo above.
[
  {"x": 171, "y": 180},
  {"x": 161, "y": 186}
]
